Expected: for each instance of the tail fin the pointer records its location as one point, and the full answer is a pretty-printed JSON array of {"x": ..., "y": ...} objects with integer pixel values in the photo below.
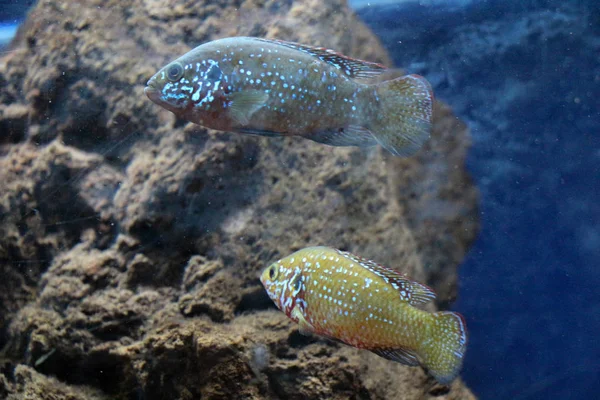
[
  {"x": 403, "y": 121},
  {"x": 443, "y": 355}
]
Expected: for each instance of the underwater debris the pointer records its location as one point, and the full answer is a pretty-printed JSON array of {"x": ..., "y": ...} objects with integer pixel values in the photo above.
[
  {"x": 44, "y": 357},
  {"x": 259, "y": 358}
]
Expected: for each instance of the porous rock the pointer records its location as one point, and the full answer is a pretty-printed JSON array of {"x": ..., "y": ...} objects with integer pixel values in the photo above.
[{"x": 132, "y": 242}]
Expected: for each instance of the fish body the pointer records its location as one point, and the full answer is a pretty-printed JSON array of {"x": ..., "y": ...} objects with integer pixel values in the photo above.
[
  {"x": 356, "y": 301},
  {"x": 276, "y": 88}
]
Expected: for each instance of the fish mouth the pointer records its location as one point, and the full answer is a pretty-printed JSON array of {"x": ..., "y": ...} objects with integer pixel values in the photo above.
[{"x": 151, "y": 90}]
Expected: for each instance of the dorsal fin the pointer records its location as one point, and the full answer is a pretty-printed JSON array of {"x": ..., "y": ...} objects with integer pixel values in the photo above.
[
  {"x": 414, "y": 292},
  {"x": 351, "y": 67}
]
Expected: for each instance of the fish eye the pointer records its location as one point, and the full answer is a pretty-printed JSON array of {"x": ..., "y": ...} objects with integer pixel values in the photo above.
[
  {"x": 214, "y": 73},
  {"x": 273, "y": 272},
  {"x": 175, "y": 72}
]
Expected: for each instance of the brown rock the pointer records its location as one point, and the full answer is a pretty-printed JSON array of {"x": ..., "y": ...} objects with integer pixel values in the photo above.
[
  {"x": 131, "y": 243},
  {"x": 30, "y": 384}
]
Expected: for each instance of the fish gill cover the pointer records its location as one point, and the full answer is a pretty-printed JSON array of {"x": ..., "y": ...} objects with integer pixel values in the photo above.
[{"x": 131, "y": 242}]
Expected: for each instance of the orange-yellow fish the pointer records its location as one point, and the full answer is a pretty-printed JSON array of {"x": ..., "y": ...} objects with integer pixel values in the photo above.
[
  {"x": 276, "y": 88},
  {"x": 356, "y": 301}
]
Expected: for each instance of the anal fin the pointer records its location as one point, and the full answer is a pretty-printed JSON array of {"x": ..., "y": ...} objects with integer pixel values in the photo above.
[
  {"x": 261, "y": 132},
  {"x": 400, "y": 355},
  {"x": 347, "y": 136}
]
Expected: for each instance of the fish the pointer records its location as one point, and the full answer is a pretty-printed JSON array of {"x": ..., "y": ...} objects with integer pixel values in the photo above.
[
  {"x": 277, "y": 88},
  {"x": 341, "y": 296}
]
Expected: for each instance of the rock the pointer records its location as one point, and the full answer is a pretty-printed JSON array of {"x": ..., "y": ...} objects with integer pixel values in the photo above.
[
  {"x": 30, "y": 384},
  {"x": 145, "y": 236},
  {"x": 14, "y": 122}
]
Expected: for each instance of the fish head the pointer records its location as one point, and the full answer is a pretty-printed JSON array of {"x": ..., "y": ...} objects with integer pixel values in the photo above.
[
  {"x": 283, "y": 285},
  {"x": 274, "y": 280},
  {"x": 190, "y": 85}
]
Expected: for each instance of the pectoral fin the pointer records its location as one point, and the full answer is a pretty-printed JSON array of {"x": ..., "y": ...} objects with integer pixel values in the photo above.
[
  {"x": 304, "y": 327},
  {"x": 244, "y": 104}
]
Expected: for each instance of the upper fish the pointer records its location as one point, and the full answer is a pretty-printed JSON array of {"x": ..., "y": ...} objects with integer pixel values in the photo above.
[
  {"x": 277, "y": 88},
  {"x": 342, "y": 296}
]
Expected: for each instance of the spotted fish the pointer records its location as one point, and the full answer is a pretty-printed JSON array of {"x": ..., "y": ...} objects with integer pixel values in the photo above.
[
  {"x": 358, "y": 302},
  {"x": 277, "y": 88}
]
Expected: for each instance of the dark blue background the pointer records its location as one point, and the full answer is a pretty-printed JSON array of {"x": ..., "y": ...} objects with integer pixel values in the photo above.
[
  {"x": 525, "y": 75},
  {"x": 11, "y": 10},
  {"x": 11, "y": 13}
]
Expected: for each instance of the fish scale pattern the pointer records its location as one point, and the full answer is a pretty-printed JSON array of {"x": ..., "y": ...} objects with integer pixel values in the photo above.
[{"x": 358, "y": 302}]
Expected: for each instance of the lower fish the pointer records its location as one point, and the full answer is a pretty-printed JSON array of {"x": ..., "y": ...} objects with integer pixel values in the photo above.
[
  {"x": 356, "y": 301},
  {"x": 278, "y": 88}
]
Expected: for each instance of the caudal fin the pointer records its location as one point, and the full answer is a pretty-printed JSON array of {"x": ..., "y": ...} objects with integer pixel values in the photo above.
[
  {"x": 442, "y": 354},
  {"x": 403, "y": 121}
]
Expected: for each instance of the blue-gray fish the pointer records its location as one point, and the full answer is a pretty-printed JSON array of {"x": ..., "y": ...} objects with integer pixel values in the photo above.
[{"x": 276, "y": 88}]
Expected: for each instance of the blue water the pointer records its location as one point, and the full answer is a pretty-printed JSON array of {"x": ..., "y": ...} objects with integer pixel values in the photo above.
[
  {"x": 525, "y": 75},
  {"x": 7, "y": 32},
  {"x": 11, "y": 13}
]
